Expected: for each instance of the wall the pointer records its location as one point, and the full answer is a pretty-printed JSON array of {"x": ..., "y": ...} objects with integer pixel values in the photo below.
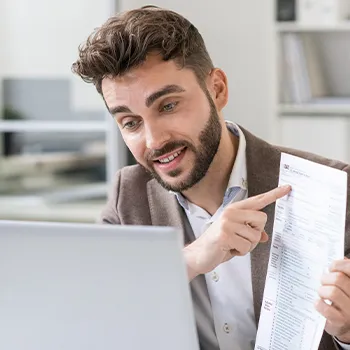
[
  {"x": 42, "y": 39},
  {"x": 44, "y": 35}
]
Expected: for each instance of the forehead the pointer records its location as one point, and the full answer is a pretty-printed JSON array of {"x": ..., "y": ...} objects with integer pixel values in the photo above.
[{"x": 135, "y": 85}]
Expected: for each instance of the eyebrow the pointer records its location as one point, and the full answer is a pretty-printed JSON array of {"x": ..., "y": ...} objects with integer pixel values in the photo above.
[
  {"x": 119, "y": 109},
  {"x": 165, "y": 90}
]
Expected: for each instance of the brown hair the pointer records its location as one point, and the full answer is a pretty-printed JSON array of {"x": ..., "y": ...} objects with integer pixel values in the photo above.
[{"x": 125, "y": 40}]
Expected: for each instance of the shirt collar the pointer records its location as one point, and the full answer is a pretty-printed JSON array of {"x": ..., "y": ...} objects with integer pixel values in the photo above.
[{"x": 238, "y": 177}]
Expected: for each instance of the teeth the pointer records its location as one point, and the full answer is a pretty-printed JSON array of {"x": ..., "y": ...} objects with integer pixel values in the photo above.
[{"x": 170, "y": 158}]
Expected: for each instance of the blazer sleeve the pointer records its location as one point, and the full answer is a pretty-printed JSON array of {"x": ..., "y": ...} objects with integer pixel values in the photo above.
[
  {"x": 109, "y": 214},
  {"x": 347, "y": 225}
]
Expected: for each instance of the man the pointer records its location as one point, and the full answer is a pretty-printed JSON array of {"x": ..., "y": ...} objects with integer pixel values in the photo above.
[{"x": 152, "y": 68}]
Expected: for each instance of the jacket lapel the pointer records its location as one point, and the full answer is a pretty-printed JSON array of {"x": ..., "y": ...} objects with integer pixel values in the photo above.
[
  {"x": 163, "y": 206},
  {"x": 263, "y": 172},
  {"x": 166, "y": 211}
]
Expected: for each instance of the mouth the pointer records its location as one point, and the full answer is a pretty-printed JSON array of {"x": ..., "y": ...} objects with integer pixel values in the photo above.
[
  {"x": 170, "y": 161},
  {"x": 169, "y": 156}
]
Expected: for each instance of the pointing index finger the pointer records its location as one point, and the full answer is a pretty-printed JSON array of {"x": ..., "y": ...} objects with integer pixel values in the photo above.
[{"x": 262, "y": 200}]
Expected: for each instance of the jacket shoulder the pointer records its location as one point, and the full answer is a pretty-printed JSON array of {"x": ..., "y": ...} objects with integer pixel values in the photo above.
[
  {"x": 133, "y": 174},
  {"x": 127, "y": 197}
]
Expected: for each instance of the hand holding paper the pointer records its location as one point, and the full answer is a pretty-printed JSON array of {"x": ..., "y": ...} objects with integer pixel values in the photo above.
[{"x": 336, "y": 288}]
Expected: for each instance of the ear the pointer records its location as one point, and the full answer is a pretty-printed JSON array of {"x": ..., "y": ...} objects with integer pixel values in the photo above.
[{"x": 218, "y": 88}]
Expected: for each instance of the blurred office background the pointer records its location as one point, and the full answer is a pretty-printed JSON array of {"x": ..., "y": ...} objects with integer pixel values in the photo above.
[{"x": 288, "y": 67}]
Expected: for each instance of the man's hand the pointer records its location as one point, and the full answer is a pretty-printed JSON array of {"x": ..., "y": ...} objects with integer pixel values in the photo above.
[
  {"x": 336, "y": 288},
  {"x": 237, "y": 232}
]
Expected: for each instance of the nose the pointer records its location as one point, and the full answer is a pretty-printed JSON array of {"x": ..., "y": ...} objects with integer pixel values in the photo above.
[{"x": 156, "y": 136}]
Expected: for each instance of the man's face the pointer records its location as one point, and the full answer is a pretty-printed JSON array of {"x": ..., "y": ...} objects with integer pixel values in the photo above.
[{"x": 169, "y": 123}]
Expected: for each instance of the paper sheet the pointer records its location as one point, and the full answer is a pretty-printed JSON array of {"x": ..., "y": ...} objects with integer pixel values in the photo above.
[{"x": 308, "y": 235}]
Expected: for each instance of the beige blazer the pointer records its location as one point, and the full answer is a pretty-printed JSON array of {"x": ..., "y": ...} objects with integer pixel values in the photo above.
[{"x": 137, "y": 199}]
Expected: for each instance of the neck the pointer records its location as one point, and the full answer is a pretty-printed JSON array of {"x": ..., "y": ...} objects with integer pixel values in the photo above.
[{"x": 216, "y": 180}]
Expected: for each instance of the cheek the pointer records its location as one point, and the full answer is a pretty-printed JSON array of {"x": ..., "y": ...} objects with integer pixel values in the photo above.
[
  {"x": 194, "y": 118},
  {"x": 137, "y": 147}
]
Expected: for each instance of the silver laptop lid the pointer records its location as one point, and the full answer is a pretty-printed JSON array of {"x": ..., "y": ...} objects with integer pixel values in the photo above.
[{"x": 84, "y": 287}]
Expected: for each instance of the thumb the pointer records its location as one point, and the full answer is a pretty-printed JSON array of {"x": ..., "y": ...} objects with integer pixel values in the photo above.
[{"x": 264, "y": 237}]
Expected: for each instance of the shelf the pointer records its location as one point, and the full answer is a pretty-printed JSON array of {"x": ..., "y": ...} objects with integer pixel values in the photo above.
[
  {"x": 317, "y": 109},
  {"x": 298, "y": 27},
  {"x": 52, "y": 126},
  {"x": 37, "y": 210}
]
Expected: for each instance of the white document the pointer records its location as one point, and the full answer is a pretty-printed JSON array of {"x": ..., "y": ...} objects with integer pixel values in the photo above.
[{"x": 308, "y": 236}]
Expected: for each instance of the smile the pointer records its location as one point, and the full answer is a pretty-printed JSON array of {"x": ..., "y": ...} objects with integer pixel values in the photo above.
[
  {"x": 169, "y": 158},
  {"x": 170, "y": 161}
]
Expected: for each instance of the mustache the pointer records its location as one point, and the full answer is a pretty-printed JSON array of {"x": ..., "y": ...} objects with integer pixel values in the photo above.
[{"x": 167, "y": 148}]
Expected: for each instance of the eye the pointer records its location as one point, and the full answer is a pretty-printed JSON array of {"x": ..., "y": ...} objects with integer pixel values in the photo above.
[
  {"x": 169, "y": 107},
  {"x": 130, "y": 125}
]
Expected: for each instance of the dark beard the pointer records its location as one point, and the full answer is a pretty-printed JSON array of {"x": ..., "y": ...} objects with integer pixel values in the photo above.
[{"x": 209, "y": 141}]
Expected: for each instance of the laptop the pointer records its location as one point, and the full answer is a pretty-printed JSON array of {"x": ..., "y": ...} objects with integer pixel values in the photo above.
[{"x": 93, "y": 287}]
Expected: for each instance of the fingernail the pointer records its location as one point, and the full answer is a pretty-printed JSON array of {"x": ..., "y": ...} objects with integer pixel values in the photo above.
[
  {"x": 286, "y": 187},
  {"x": 324, "y": 276},
  {"x": 332, "y": 267}
]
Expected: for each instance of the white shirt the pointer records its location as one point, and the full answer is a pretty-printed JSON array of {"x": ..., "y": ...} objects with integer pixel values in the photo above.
[{"x": 230, "y": 284}]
